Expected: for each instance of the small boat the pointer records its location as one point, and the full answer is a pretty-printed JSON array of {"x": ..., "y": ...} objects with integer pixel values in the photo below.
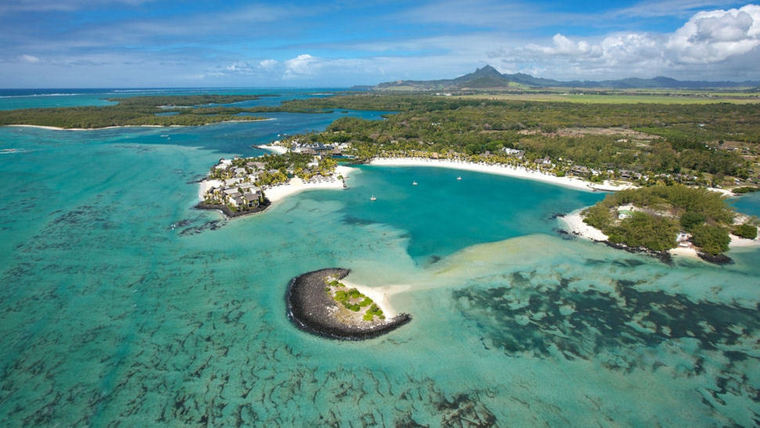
[
  {"x": 414, "y": 183},
  {"x": 372, "y": 198},
  {"x": 459, "y": 178}
]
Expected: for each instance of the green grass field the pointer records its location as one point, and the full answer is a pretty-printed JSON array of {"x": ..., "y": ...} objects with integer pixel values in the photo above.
[{"x": 624, "y": 98}]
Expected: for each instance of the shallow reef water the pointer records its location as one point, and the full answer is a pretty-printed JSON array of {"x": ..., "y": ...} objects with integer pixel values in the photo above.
[{"x": 109, "y": 314}]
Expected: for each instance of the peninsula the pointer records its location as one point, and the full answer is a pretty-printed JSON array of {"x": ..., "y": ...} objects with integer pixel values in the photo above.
[
  {"x": 242, "y": 186},
  {"x": 320, "y": 303},
  {"x": 165, "y": 110},
  {"x": 665, "y": 220}
]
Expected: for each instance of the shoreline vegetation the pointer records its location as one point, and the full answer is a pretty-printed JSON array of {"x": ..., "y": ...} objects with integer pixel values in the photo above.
[
  {"x": 55, "y": 128},
  {"x": 504, "y": 170},
  {"x": 142, "y": 111},
  {"x": 664, "y": 221},
  {"x": 642, "y": 144},
  {"x": 629, "y": 149},
  {"x": 322, "y": 303}
]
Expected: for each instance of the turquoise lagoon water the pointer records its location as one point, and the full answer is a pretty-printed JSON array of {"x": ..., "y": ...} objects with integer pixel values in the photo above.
[
  {"x": 11, "y": 99},
  {"x": 108, "y": 314}
]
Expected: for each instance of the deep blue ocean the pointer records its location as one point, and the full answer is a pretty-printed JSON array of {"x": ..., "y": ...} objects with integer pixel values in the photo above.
[{"x": 109, "y": 315}]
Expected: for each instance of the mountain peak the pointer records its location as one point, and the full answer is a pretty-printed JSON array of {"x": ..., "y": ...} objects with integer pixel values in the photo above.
[
  {"x": 487, "y": 71},
  {"x": 487, "y": 77},
  {"x": 484, "y": 77}
]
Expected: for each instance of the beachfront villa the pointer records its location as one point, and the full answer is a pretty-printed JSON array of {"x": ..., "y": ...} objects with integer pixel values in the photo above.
[
  {"x": 238, "y": 186},
  {"x": 683, "y": 239},
  {"x": 244, "y": 195}
]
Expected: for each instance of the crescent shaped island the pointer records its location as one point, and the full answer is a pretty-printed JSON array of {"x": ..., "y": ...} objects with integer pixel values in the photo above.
[{"x": 320, "y": 303}]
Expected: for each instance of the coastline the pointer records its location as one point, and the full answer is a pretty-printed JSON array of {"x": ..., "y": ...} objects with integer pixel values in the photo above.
[
  {"x": 296, "y": 185},
  {"x": 56, "y": 128},
  {"x": 380, "y": 295},
  {"x": 276, "y": 193},
  {"x": 575, "y": 225},
  {"x": 503, "y": 170},
  {"x": 279, "y": 150},
  {"x": 314, "y": 311}
]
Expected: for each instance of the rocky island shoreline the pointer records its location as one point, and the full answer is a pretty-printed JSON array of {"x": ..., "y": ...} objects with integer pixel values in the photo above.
[{"x": 314, "y": 308}]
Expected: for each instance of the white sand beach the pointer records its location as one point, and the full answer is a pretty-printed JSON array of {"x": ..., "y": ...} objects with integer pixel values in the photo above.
[
  {"x": 574, "y": 224},
  {"x": 689, "y": 252},
  {"x": 737, "y": 242},
  {"x": 52, "y": 128},
  {"x": 273, "y": 148},
  {"x": 380, "y": 295},
  {"x": 505, "y": 170},
  {"x": 296, "y": 185},
  {"x": 55, "y": 128},
  {"x": 205, "y": 185}
]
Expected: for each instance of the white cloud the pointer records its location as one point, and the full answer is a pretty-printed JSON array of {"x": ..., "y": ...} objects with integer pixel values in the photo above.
[
  {"x": 302, "y": 65},
  {"x": 30, "y": 58},
  {"x": 715, "y": 45},
  {"x": 259, "y": 68},
  {"x": 268, "y": 64},
  {"x": 708, "y": 37},
  {"x": 659, "y": 8},
  {"x": 61, "y": 5},
  {"x": 564, "y": 46},
  {"x": 512, "y": 14},
  {"x": 630, "y": 48},
  {"x": 238, "y": 67},
  {"x": 716, "y": 35}
]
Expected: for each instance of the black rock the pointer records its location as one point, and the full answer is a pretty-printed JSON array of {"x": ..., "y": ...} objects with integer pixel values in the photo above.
[
  {"x": 718, "y": 259},
  {"x": 312, "y": 310},
  {"x": 229, "y": 213}
]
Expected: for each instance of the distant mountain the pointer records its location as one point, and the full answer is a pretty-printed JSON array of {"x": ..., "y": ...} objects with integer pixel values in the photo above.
[{"x": 490, "y": 78}]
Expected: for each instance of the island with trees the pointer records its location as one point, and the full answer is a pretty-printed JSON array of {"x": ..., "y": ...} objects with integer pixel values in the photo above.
[
  {"x": 320, "y": 303},
  {"x": 164, "y": 110},
  {"x": 661, "y": 218}
]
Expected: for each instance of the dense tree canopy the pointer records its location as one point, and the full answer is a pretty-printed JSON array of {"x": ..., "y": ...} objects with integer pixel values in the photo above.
[
  {"x": 660, "y": 212},
  {"x": 672, "y": 140},
  {"x": 179, "y": 110}
]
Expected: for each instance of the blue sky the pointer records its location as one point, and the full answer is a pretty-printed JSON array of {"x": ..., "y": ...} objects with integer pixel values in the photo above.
[{"x": 143, "y": 43}]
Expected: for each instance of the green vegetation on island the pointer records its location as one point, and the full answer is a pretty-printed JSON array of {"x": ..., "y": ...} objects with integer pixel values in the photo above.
[
  {"x": 353, "y": 300},
  {"x": 745, "y": 189},
  {"x": 168, "y": 110},
  {"x": 647, "y": 144},
  {"x": 662, "y": 217},
  {"x": 746, "y": 231}
]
